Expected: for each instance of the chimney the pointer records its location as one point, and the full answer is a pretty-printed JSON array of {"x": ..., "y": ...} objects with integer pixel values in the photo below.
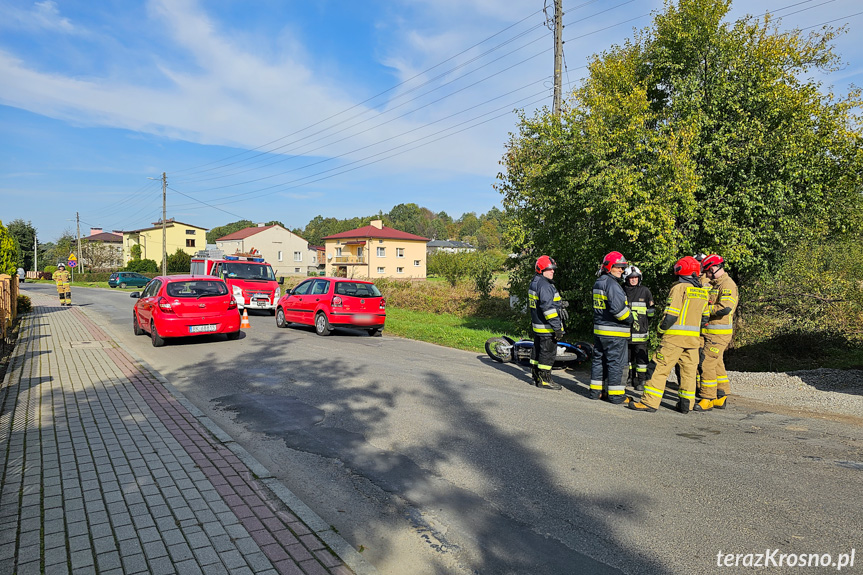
[
  {"x": 94, "y": 231},
  {"x": 379, "y": 224}
]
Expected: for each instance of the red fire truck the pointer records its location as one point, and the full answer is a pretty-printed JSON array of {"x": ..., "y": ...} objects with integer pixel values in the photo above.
[{"x": 250, "y": 279}]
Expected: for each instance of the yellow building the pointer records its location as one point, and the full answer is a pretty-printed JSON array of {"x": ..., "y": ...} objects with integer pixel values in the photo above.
[
  {"x": 187, "y": 237},
  {"x": 376, "y": 251}
]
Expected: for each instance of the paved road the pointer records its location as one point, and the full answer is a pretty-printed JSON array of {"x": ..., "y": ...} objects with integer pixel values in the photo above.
[{"x": 432, "y": 460}]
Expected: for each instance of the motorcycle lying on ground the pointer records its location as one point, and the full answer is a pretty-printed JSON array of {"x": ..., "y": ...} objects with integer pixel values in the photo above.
[{"x": 504, "y": 350}]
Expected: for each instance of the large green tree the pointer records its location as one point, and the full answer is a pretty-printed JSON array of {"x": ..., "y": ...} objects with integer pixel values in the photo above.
[
  {"x": 25, "y": 235},
  {"x": 696, "y": 135},
  {"x": 8, "y": 252},
  {"x": 222, "y": 231}
]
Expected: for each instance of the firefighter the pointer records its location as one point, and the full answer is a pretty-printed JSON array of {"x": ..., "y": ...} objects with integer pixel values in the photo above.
[
  {"x": 685, "y": 313},
  {"x": 545, "y": 322},
  {"x": 62, "y": 279},
  {"x": 718, "y": 332},
  {"x": 612, "y": 325},
  {"x": 641, "y": 302}
]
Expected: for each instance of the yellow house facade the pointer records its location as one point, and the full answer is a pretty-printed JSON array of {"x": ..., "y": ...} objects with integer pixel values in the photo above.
[
  {"x": 187, "y": 237},
  {"x": 375, "y": 251}
]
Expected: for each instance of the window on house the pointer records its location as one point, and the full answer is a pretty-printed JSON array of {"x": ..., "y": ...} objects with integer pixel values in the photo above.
[
  {"x": 190, "y": 232},
  {"x": 400, "y": 252},
  {"x": 190, "y": 242},
  {"x": 416, "y": 263},
  {"x": 381, "y": 269},
  {"x": 382, "y": 252},
  {"x": 280, "y": 255},
  {"x": 298, "y": 256},
  {"x": 400, "y": 270},
  {"x": 338, "y": 252},
  {"x": 296, "y": 270}
]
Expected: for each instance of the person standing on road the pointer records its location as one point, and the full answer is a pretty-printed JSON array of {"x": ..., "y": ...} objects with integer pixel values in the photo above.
[
  {"x": 545, "y": 322},
  {"x": 641, "y": 302},
  {"x": 685, "y": 313},
  {"x": 612, "y": 325},
  {"x": 718, "y": 332},
  {"x": 62, "y": 279},
  {"x": 20, "y": 275}
]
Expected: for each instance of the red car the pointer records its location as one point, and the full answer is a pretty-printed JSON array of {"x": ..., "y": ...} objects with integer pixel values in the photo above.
[
  {"x": 185, "y": 305},
  {"x": 327, "y": 303}
]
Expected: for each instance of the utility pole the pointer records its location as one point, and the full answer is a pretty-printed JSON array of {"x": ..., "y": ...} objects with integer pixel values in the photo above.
[
  {"x": 35, "y": 254},
  {"x": 558, "y": 55},
  {"x": 80, "y": 255},
  {"x": 164, "y": 224}
]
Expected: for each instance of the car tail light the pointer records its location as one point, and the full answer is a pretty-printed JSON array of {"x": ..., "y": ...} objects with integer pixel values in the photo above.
[
  {"x": 337, "y": 301},
  {"x": 233, "y": 304},
  {"x": 383, "y": 304},
  {"x": 165, "y": 305}
]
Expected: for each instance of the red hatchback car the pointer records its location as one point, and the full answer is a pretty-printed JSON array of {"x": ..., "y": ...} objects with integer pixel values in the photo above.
[
  {"x": 327, "y": 303},
  {"x": 184, "y": 305}
]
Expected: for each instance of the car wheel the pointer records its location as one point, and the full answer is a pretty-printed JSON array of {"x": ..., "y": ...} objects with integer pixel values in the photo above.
[
  {"x": 322, "y": 324},
  {"x": 233, "y": 335},
  {"x": 112, "y": 287},
  {"x": 158, "y": 340},
  {"x": 122, "y": 284},
  {"x": 136, "y": 327},
  {"x": 280, "y": 318},
  {"x": 373, "y": 331},
  {"x": 272, "y": 312}
]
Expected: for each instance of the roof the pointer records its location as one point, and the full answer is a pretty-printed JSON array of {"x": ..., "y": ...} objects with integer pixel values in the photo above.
[
  {"x": 158, "y": 226},
  {"x": 384, "y": 233},
  {"x": 104, "y": 237},
  {"x": 449, "y": 244},
  {"x": 245, "y": 232}
]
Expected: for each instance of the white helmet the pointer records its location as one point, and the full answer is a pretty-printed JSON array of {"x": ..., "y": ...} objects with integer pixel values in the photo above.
[
  {"x": 631, "y": 271},
  {"x": 61, "y": 266}
]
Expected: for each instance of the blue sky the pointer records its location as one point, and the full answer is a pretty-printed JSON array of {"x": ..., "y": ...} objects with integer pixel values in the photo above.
[{"x": 289, "y": 109}]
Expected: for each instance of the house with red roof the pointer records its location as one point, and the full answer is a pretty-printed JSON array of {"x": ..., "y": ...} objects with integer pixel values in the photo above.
[
  {"x": 285, "y": 251},
  {"x": 376, "y": 251}
]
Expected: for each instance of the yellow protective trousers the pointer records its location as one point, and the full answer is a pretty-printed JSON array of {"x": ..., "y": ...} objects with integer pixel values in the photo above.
[
  {"x": 713, "y": 375},
  {"x": 666, "y": 358}
]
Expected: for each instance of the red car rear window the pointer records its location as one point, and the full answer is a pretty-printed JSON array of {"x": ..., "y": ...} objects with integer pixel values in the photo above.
[
  {"x": 357, "y": 289},
  {"x": 196, "y": 289}
]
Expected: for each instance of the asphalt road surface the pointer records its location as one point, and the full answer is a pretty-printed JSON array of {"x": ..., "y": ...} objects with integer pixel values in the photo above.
[{"x": 436, "y": 461}]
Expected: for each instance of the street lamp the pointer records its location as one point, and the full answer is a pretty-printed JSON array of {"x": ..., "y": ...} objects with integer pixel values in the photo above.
[{"x": 164, "y": 223}]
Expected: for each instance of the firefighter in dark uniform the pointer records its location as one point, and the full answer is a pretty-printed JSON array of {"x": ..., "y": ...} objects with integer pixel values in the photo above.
[
  {"x": 546, "y": 322},
  {"x": 641, "y": 303},
  {"x": 686, "y": 312},
  {"x": 717, "y": 334},
  {"x": 612, "y": 323},
  {"x": 62, "y": 279}
]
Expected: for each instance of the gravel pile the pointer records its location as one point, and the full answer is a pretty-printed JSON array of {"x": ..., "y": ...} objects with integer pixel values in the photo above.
[{"x": 818, "y": 390}]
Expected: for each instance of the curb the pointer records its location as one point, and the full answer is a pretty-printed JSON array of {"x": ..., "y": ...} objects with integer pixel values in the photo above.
[{"x": 350, "y": 556}]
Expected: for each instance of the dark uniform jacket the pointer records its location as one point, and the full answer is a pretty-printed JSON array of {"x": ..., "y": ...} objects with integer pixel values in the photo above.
[
  {"x": 545, "y": 306},
  {"x": 641, "y": 302},
  {"x": 611, "y": 314}
]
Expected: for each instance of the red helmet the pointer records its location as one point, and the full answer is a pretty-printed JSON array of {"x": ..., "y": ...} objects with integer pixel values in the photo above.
[
  {"x": 545, "y": 263},
  {"x": 612, "y": 259},
  {"x": 687, "y": 266},
  {"x": 712, "y": 260}
]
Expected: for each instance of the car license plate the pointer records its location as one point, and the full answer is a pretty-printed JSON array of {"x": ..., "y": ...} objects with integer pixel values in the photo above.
[
  {"x": 363, "y": 317},
  {"x": 261, "y": 302},
  {"x": 203, "y": 328}
]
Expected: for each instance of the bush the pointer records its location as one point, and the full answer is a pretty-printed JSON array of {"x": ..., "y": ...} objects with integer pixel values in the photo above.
[
  {"x": 451, "y": 267},
  {"x": 142, "y": 267},
  {"x": 24, "y": 304},
  {"x": 179, "y": 262},
  {"x": 49, "y": 269},
  {"x": 92, "y": 277},
  {"x": 481, "y": 267}
]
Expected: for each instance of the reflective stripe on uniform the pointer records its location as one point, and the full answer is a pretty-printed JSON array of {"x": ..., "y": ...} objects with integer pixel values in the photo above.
[
  {"x": 610, "y": 330},
  {"x": 708, "y": 383},
  {"x": 595, "y": 384},
  {"x": 641, "y": 368},
  {"x": 541, "y": 366},
  {"x": 686, "y": 394},
  {"x": 719, "y": 328},
  {"x": 653, "y": 391},
  {"x": 622, "y": 314},
  {"x": 616, "y": 390},
  {"x": 550, "y": 313},
  {"x": 672, "y": 311},
  {"x": 541, "y": 328},
  {"x": 683, "y": 330}
]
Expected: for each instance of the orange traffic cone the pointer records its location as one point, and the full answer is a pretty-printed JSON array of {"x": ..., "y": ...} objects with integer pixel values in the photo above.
[{"x": 245, "y": 323}]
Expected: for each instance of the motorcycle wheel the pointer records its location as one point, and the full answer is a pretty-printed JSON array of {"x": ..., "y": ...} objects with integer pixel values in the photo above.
[{"x": 499, "y": 349}]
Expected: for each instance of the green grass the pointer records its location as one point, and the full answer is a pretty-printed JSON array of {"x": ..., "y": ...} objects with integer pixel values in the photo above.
[{"x": 465, "y": 333}]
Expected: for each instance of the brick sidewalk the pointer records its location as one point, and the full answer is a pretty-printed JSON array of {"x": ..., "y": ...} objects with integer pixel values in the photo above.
[{"x": 107, "y": 469}]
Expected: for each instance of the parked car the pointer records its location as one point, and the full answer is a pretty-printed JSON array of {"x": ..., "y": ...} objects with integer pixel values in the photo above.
[
  {"x": 124, "y": 279},
  {"x": 185, "y": 305},
  {"x": 328, "y": 303}
]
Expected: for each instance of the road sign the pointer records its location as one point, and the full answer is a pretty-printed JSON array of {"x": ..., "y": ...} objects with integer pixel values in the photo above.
[{"x": 72, "y": 261}]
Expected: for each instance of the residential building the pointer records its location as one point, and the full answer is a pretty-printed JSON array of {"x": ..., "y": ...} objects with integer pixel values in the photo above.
[
  {"x": 101, "y": 251},
  {"x": 187, "y": 237},
  {"x": 285, "y": 251},
  {"x": 376, "y": 251},
  {"x": 449, "y": 246}
]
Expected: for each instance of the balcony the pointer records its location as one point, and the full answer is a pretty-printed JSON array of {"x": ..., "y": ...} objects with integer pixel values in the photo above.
[{"x": 348, "y": 260}]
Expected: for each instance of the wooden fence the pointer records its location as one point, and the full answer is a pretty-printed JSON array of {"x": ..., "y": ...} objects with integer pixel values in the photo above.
[{"x": 8, "y": 303}]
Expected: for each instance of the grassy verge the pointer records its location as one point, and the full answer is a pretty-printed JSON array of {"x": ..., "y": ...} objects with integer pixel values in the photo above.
[{"x": 449, "y": 330}]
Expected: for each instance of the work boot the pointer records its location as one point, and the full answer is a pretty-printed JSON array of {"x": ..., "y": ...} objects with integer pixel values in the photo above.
[
  {"x": 639, "y": 384},
  {"x": 534, "y": 374},
  {"x": 638, "y": 406},
  {"x": 704, "y": 405},
  {"x": 545, "y": 381},
  {"x": 683, "y": 406},
  {"x": 719, "y": 402}
]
